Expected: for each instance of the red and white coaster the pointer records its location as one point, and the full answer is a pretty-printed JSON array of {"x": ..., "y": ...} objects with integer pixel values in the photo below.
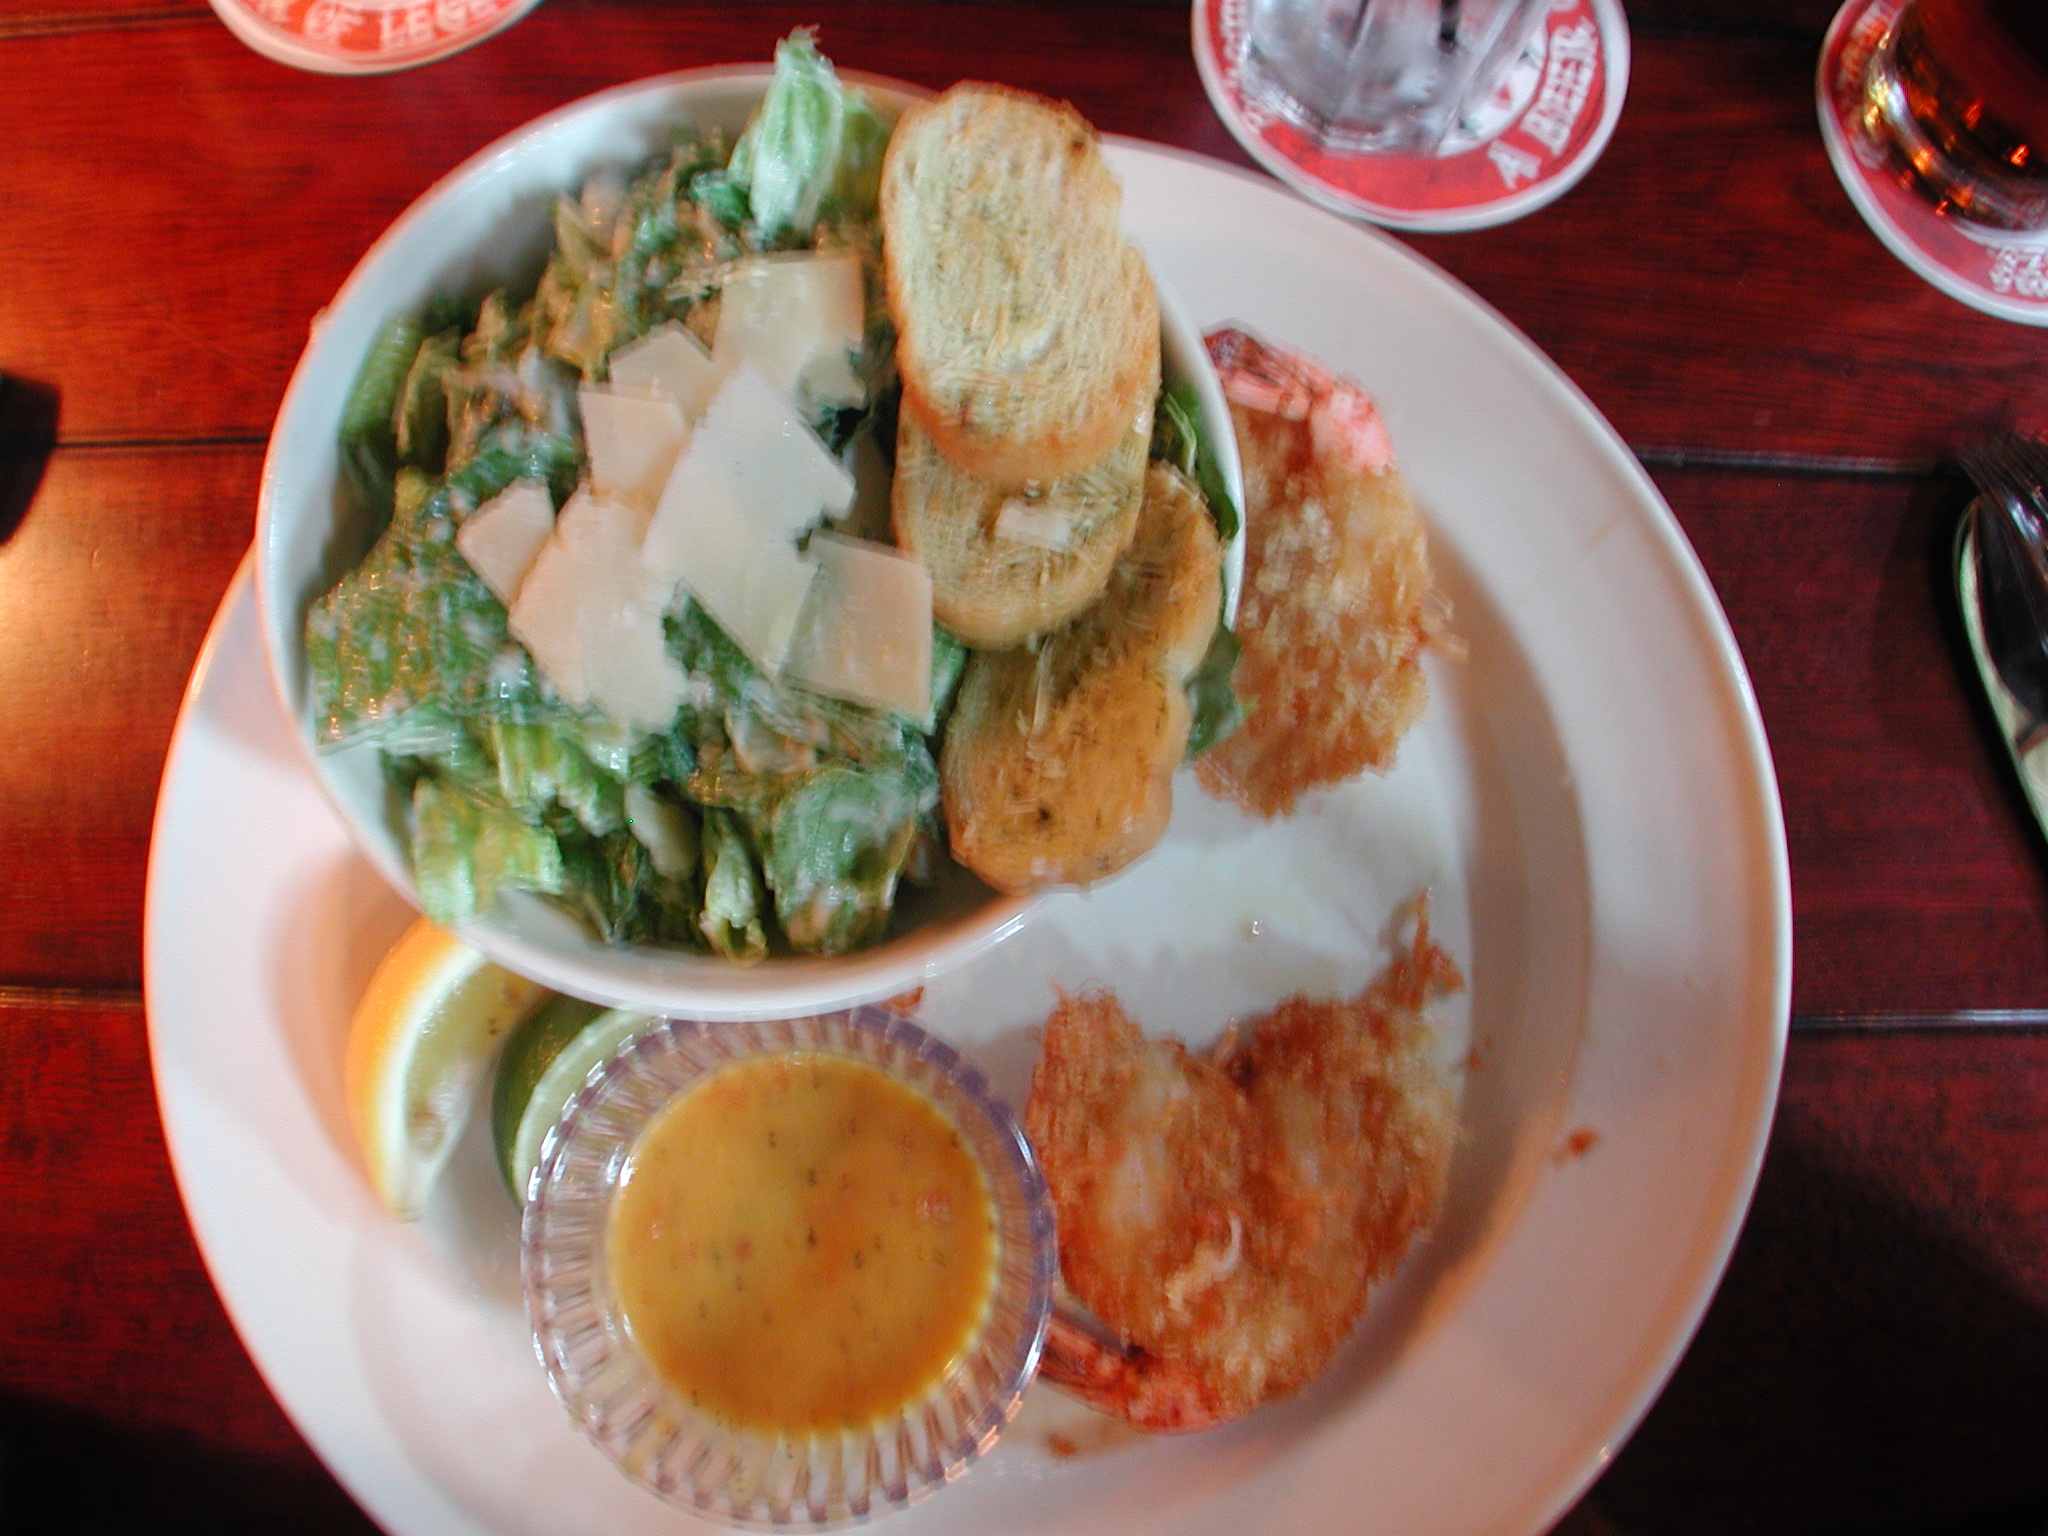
[
  {"x": 365, "y": 37},
  {"x": 2000, "y": 274},
  {"x": 1538, "y": 133}
]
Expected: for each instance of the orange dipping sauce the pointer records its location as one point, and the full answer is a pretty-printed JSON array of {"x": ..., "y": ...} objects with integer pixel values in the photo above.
[{"x": 802, "y": 1244}]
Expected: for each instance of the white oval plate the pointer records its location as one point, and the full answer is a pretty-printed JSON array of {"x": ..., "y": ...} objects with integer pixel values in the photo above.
[{"x": 1589, "y": 800}]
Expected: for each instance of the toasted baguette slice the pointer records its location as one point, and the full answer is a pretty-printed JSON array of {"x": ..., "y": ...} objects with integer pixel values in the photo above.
[
  {"x": 1059, "y": 757},
  {"x": 1027, "y": 328},
  {"x": 1007, "y": 565}
]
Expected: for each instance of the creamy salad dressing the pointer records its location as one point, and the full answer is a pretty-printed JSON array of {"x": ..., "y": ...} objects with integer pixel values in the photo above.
[{"x": 802, "y": 1244}]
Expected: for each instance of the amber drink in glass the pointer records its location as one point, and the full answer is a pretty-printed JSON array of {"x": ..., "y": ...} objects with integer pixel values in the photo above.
[{"x": 1957, "y": 95}]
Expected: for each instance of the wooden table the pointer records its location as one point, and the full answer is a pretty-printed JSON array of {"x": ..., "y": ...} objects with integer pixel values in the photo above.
[{"x": 177, "y": 208}]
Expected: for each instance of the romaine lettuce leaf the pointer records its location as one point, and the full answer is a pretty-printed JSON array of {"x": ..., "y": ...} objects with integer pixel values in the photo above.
[
  {"x": 369, "y": 448},
  {"x": 834, "y": 847},
  {"x": 813, "y": 152},
  {"x": 543, "y": 765},
  {"x": 420, "y": 417},
  {"x": 949, "y": 663},
  {"x": 465, "y": 849},
  {"x": 664, "y": 758},
  {"x": 412, "y": 636},
  {"x": 1215, "y": 705},
  {"x": 627, "y": 259},
  {"x": 731, "y": 919},
  {"x": 1178, "y": 438},
  {"x": 611, "y": 882}
]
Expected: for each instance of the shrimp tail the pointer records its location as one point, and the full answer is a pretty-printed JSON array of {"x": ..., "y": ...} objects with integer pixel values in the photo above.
[{"x": 1137, "y": 1386}]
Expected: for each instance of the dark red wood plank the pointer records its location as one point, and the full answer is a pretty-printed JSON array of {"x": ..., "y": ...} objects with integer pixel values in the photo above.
[
  {"x": 1779, "y": 18},
  {"x": 1918, "y": 880},
  {"x": 1711, "y": 287},
  {"x": 1755, "y": 18},
  {"x": 22, "y": 18},
  {"x": 1708, "y": 284},
  {"x": 126, "y": 1401},
  {"x": 107, "y": 586},
  {"x": 195, "y": 247}
]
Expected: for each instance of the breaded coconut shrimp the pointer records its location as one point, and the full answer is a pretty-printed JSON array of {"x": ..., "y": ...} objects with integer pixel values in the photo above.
[
  {"x": 1339, "y": 601},
  {"x": 1222, "y": 1215}
]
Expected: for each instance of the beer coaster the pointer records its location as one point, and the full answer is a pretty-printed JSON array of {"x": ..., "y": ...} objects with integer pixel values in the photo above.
[
  {"x": 365, "y": 37},
  {"x": 1528, "y": 144},
  {"x": 2000, "y": 274}
]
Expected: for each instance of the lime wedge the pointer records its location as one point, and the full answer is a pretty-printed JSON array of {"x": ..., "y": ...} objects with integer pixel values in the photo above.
[
  {"x": 423, "y": 1035},
  {"x": 543, "y": 1066}
]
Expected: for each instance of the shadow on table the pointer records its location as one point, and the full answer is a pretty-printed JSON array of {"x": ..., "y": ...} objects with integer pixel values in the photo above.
[
  {"x": 28, "y": 434},
  {"x": 62, "y": 1470},
  {"x": 1858, "y": 1371},
  {"x": 1918, "y": 577}
]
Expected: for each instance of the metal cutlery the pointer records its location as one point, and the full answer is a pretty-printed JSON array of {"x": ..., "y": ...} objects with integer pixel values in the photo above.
[{"x": 2009, "y": 524}]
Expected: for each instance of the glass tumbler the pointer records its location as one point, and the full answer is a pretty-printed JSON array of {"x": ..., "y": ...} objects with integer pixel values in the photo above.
[
  {"x": 1956, "y": 96},
  {"x": 1380, "y": 76}
]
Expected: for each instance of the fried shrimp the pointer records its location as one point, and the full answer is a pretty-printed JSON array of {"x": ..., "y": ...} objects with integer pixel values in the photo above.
[
  {"x": 1339, "y": 601},
  {"x": 1224, "y": 1214}
]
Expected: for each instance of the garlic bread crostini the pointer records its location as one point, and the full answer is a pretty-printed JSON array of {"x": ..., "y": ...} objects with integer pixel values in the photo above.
[
  {"x": 1027, "y": 326},
  {"x": 1010, "y": 564},
  {"x": 1058, "y": 762}
]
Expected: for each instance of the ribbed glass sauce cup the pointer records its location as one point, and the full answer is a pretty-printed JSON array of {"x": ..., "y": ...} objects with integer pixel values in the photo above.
[{"x": 647, "y": 1425}]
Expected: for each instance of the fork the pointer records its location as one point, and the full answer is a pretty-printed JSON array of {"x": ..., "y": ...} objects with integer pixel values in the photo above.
[{"x": 2010, "y": 521}]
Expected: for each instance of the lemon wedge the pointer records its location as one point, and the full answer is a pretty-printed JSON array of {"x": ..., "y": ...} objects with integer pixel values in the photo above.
[
  {"x": 545, "y": 1062},
  {"x": 423, "y": 1036}
]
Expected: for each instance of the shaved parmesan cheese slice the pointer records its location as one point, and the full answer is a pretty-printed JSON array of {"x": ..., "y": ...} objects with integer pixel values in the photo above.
[
  {"x": 867, "y": 630},
  {"x": 1042, "y": 527},
  {"x": 501, "y": 537},
  {"x": 787, "y": 477},
  {"x": 669, "y": 361},
  {"x": 796, "y": 316},
  {"x": 590, "y": 614},
  {"x": 633, "y": 441},
  {"x": 752, "y": 478},
  {"x": 710, "y": 537}
]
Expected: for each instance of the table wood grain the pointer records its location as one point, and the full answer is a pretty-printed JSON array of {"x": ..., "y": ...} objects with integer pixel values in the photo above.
[
  {"x": 177, "y": 209},
  {"x": 1747, "y": 279}
]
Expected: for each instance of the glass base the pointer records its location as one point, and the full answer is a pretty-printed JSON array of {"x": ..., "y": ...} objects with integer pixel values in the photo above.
[
  {"x": 1397, "y": 127},
  {"x": 1382, "y": 76}
]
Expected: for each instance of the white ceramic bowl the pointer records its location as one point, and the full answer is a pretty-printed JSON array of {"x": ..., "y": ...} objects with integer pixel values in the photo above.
[{"x": 484, "y": 226}]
